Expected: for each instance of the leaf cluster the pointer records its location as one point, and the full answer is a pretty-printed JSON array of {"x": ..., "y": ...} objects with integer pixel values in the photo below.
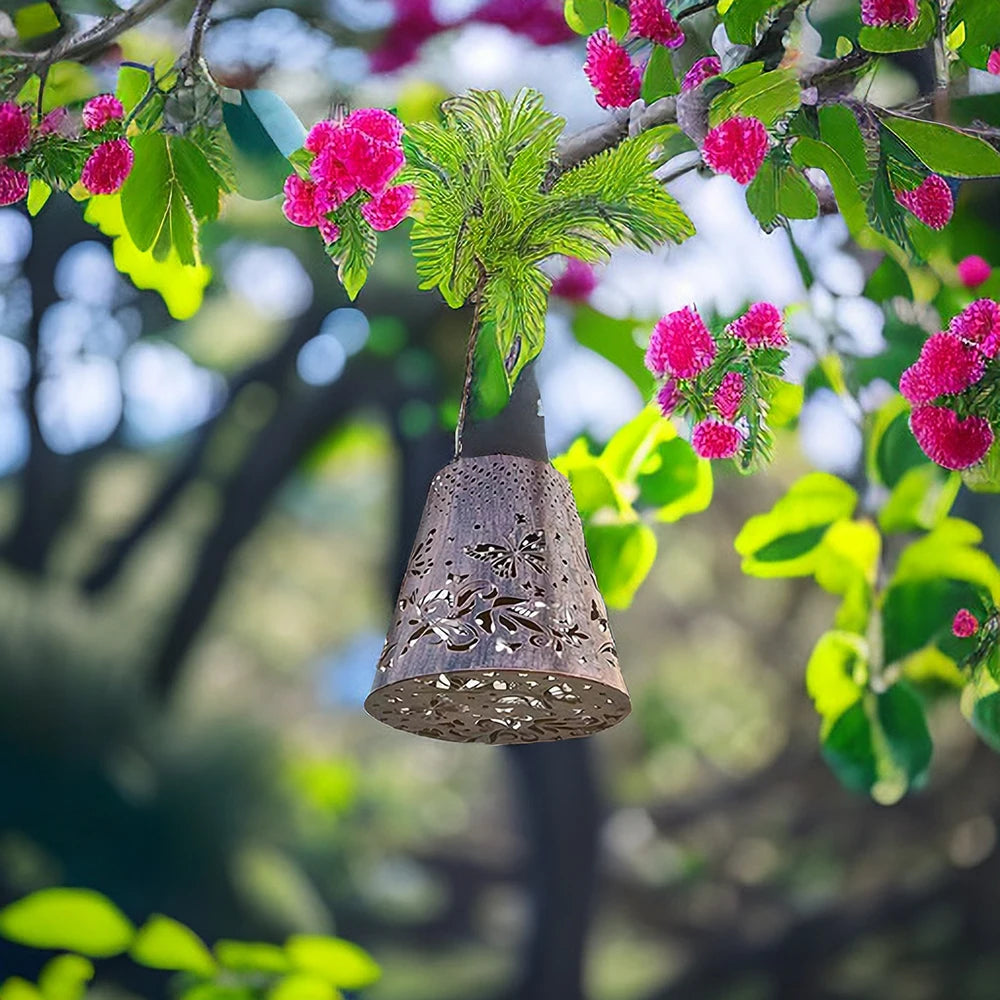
[{"x": 492, "y": 206}]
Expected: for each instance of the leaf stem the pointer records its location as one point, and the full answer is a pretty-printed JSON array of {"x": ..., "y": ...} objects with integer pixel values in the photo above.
[{"x": 470, "y": 359}]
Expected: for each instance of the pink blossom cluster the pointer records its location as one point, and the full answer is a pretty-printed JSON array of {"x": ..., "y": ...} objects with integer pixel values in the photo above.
[
  {"x": 993, "y": 63},
  {"x": 614, "y": 75},
  {"x": 683, "y": 351},
  {"x": 941, "y": 383},
  {"x": 889, "y": 13},
  {"x": 107, "y": 166},
  {"x": 736, "y": 147},
  {"x": 704, "y": 69},
  {"x": 931, "y": 202},
  {"x": 359, "y": 155},
  {"x": 965, "y": 624}
]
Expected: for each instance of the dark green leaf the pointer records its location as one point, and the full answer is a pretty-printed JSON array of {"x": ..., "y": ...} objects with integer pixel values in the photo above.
[
  {"x": 945, "y": 150},
  {"x": 850, "y": 751},
  {"x": 742, "y": 16},
  {"x": 613, "y": 339},
  {"x": 901, "y": 717},
  {"x": 659, "y": 80},
  {"x": 778, "y": 192},
  {"x": 265, "y": 132},
  {"x": 985, "y": 719}
]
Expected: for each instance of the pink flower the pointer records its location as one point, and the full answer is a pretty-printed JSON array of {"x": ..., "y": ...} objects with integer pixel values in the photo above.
[
  {"x": 347, "y": 159},
  {"x": 669, "y": 397},
  {"x": 716, "y": 439},
  {"x": 680, "y": 345},
  {"x": 974, "y": 271},
  {"x": 108, "y": 166},
  {"x": 299, "y": 205},
  {"x": 15, "y": 129},
  {"x": 979, "y": 323},
  {"x": 651, "y": 19},
  {"x": 576, "y": 282},
  {"x": 378, "y": 166},
  {"x": 376, "y": 123},
  {"x": 388, "y": 209},
  {"x": 964, "y": 624},
  {"x": 729, "y": 395},
  {"x": 329, "y": 231},
  {"x": 762, "y": 325},
  {"x": 614, "y": 77},
  {"x": 948, "y": 441},
  {"x": 57, "y": 120},
  {"x": 888, "y": 13},
  {"x": 946, "y": 365},
  {"x": 702, "y": 70},
  {"x": 100, "y": 110},
  {"x": 322, "y": 134},
  {"x": 13, "y": 184},
  {"x": 993, "y": 63},
  {"x": 736, "y": 147},
  {"x": 330, "y": 174},
  {"x": 932, "y": 202}
]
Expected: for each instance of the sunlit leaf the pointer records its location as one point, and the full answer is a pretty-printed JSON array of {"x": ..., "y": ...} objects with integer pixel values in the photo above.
[
  {"x": 341, "y": 963},
  {"x": 164, "y": 943},
  {"x": 622, "y": 555},
  {"x": 78, "y": 920}
]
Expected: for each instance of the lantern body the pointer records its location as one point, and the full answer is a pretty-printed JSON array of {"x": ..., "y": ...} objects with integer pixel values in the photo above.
[{"x": 500, "y": 633}]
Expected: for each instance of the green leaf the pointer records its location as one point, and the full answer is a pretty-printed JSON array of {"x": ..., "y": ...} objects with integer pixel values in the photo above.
[
  {"x": 769, "y": 97},
  {"x": 16, "y": 988},
  {"x": 79, "y": 920},
  {"x": 659, "y": 79},
  {"x": 170, "y": 191},
  {"x": 984, "y": 476},
  {"x": 975, "y": 21},
  {"x": 615, "y": 340},
  {"x": 950, "y": 551},
  {"x": 622, "y": 556},
  {"x": 780, "y": 192},
  {"x": 65, "y": 977},
  {"x": 901, "y": 39},
  {"x": 920, "y": 500},
  {"x": 516, "y": 300},
  {"x": 38, "y": 195},
  {"x": 742, "y": 16},
  {"x": 837, "y": 674},
  {"x": 838, "y": 128},
  {"x": 627, "y": 451},
  {"x": 341, "y": 963},
  {"x": 944, "y": 149},
  {"x": 985, "y": 718},
  {"x": 35, "y": 20},
  {"x": 164, "y": 943},
  {"x": 786, "y": 540},
  {"x": 182, "y": 287},
  {"x": 904, "y": 728},
  {"x": 618, "y": 20},
  {"x": 891, "y": 448},
  {"x": 133, "y": 84},
  {"x": 594, "y": 489},
  {"x": 849, "y": 750},
  {"x": 585, "y": 16},
  {"x": 812, "y": 153},
  {"x": 251, "y": 956},
  {"x": 675, "y": 481},
  {"x": 265, "y": 132},
  {"x": 354, "y": 250}
]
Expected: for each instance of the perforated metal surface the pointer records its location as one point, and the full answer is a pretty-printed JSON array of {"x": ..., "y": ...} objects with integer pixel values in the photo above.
[{"x": 500, "y": 633}]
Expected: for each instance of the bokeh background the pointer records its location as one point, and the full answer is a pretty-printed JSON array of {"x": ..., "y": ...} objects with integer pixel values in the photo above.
[{"x": 202, "y": 523}]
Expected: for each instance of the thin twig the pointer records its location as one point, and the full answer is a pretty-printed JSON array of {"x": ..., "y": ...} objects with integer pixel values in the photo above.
[
  {"x": 199, "y": 23},
  {"x": 470, "y": 361}
]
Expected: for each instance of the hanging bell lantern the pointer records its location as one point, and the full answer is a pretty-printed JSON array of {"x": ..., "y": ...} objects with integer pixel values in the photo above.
[{"x": 500, "y": 633}]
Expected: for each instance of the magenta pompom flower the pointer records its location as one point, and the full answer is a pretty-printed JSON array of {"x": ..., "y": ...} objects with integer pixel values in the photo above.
[
  {"x": 13, "y": 184},
  {"x": 974, "y": 271},
  {"x": 388, "y": 209},
  {"x": 615, "y": 78},
  {"x": 729, "y": 395},
  {"x": 56, "y": 121},
  {"x": 107, "y": 167},
  {"x": 576, "y": 282},
  {"x": 15, "y": 129},
  {"x": 949, "y": 441},
  {"x": 716, "y": 439},
  {"x": 680, "y": 345},
  {"x": 669, "y": 397},
  {"x": 329, "y": 231},
  {"x": 651, "y": 19},
  {"x": 946, "y": 365},
  {"x": 736, "y": 147},
  {"x": 100, "y": 110},
  {"x": 376, "y": 123},
  {"x": 888, "y": 13},
  {"x": 299, "y": 205},
  {"x": 702, "y": 70},
  {"x": 964, "y": 624},
  {"x": 979, "y": 323},
  {"x": 762, "y": 325},
  {"x": 993, "y": 63},
  {"x": 932, "y": 202}
]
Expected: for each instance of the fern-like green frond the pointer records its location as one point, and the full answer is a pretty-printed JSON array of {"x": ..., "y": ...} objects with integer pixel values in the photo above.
[{"x": 515, "y": 302}]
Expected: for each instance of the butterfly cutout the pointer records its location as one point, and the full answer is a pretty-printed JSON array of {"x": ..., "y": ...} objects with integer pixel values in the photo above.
[{"x": 505, "y": 559}]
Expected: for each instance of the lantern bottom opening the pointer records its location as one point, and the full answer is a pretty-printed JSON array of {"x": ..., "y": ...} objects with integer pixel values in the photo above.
[{"x": 499, "y": 706}]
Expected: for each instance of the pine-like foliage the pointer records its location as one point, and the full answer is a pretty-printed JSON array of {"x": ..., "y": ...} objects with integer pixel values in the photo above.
[{"x": 486, "y": 217}]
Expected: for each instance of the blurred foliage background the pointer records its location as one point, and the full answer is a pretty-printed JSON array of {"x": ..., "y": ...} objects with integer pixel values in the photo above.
[{"x": 206, "y": 512}]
